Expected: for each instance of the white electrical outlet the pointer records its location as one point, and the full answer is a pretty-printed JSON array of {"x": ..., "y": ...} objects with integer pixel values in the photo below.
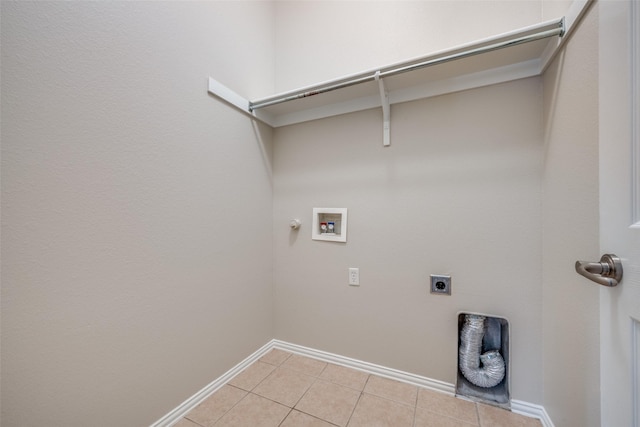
[{"x": 354, "y": 276}]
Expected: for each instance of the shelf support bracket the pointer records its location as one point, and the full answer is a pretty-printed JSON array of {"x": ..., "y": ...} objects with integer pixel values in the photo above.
[
  {"x": 232, "y": 98},
  {"x": 386, "y": 111}
]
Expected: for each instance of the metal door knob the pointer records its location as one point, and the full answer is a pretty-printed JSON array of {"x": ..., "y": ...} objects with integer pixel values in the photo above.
[{"x": 607, "y": 272}]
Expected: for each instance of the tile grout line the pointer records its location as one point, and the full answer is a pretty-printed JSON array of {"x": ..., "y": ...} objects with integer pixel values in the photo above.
[
  {"x": 415, "y": 408},
  {"x": 285, "y": 417},
  {"x": 228, "y": 410},
  {"x": 196, "y": 423},
  {"x": 359, "y": 398},
  {"x": 247, "y": 391},
  {"x": 316, "y": 378},
  {"x": 305, "y": 392},
  {"x": 356, "y": 405}
]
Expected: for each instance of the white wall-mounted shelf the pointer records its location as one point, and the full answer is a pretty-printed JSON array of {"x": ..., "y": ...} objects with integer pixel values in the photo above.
[{"x": 518, "y": 54}]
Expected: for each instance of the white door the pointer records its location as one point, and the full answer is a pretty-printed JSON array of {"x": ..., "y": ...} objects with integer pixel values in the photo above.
[{"x": 619, "y": 123}]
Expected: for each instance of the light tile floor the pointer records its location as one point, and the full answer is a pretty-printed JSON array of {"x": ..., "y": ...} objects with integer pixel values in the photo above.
[{"x": 288, "y": 390}]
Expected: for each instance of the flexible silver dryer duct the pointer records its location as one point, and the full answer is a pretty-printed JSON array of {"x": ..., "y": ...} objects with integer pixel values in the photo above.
[{"x": 493, "y": 366}]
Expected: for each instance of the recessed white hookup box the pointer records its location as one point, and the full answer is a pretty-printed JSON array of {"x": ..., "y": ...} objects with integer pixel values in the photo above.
[{"x": 329, "y": 224}]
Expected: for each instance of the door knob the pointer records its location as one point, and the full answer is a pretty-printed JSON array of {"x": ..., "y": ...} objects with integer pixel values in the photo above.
[{"x": 607, "y": 272}]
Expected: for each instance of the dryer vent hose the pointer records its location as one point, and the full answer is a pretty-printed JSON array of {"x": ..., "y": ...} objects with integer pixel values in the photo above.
[{"x": 484, "y": 370}]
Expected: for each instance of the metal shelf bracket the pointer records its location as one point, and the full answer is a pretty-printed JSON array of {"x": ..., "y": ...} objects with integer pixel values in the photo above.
[{"x": 386, "y": 111}]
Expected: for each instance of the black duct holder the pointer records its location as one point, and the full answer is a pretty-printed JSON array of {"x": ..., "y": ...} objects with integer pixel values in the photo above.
[{"x": 496, "y": 336}]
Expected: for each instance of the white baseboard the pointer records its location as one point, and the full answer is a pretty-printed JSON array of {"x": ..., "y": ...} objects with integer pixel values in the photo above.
[
  {"x": 369, "y": 368},
  {"x": 531, "y": 410},
  {"x": 174, "y": 416},
  {"x": 517, "y": 406}
]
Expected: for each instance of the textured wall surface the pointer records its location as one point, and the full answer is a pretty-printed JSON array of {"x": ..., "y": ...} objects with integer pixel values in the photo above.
[
  {"x": 571, "y": 231},
  {"x": 145, "y": 242},
  {"x": 363, "y": 35},
  {"x": 135, "y": 269},
  {"x": 458, "y": 192}
]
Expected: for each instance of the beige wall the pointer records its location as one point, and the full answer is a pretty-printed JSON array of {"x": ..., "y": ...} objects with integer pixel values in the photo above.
[
  {"x": 136, "y": 209},
  {"x": 142, "y": 230},
  {"x": 552, "y": 9},
  {"x": 458, "y": 193},
  {"x": 363, "y": 35},
  {"x": 570, "y": 231}
]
